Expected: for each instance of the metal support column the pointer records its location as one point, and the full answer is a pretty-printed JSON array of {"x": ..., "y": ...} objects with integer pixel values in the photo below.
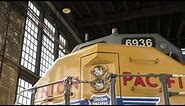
[
  {"x": 163, "y": 80},
  {"x": 33, "y": 96},
  {"x": 67, "y": 91},
  {"x": 113, "y": 94}
]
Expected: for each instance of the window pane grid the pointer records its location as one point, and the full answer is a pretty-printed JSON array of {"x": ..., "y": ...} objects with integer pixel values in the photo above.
[
  {"x": 32, "y": 28},
  {"x": 49, "y": 29},
  {"x": 47, "y": 52},
  {"x": 61, "y": 53},
  {"x": 33, "y": 12},
  {"x": 62, "y": 47},
  {"x": 29, "y": 50},
  {"x": 62, "y": 41},
  {"x": 25, "y": 97}
]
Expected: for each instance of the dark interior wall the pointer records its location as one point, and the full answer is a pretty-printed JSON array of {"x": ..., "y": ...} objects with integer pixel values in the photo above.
[{"x": 11, "y": 31}]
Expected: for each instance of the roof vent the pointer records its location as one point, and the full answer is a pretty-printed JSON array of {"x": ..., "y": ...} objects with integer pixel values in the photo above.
[
  {"x": 114, "y": 31},
  {"x": 86, "y": 37}
]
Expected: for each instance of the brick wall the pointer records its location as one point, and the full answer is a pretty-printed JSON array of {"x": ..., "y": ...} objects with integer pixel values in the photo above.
[{"x": 11, "y": 25}]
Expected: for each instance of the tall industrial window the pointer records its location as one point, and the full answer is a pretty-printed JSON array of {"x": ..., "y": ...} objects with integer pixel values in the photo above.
[
  {"x": 47, "y": 52},
  {"x": 25, "y": 97},
  {"x": 62, "y": 46},
  {"x": 29, "y": 50}
]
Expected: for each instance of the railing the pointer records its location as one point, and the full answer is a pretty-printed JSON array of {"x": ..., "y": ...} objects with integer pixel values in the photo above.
[
  {"x": 112, "y": 79},
  {"x": 67, "y": 89},
  {"x": 33, "y": 90}
]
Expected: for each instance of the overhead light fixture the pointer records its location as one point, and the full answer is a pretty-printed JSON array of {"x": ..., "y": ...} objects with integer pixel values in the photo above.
[{"x": 66, "y": 10}]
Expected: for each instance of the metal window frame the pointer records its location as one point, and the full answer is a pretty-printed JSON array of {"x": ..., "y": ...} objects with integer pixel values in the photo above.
[
  {"x": 39, "y": 47},
  {"x": 24, "y": 30},
  {"x": 24, "y": 73},
  {"x": 64, "y": 46},
  {"x": 48, "y": 37},
  {"x": 56, "y": 44},
  {"x": 26, "y": 80}
]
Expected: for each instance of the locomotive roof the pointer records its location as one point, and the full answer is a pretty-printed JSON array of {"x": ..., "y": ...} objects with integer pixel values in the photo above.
[{"x": 116, "y": 38}]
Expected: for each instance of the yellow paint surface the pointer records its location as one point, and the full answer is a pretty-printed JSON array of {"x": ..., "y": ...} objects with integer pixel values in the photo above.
[{"x": 116, "y": 58}]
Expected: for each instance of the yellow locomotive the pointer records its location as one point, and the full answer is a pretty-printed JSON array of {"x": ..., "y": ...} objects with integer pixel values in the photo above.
[{"x": 118, "y": 69}]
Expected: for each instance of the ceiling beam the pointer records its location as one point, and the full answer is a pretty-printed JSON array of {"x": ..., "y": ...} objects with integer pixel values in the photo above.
[
  {"x": 169, "y": 26},
  {"x": 147, "y": 24},
  {"x": 99, "y": 8},
  {"x": 125, "y": 5},
  {"x": 134, "y": 25},
  {"x": 178, "y": 35},
  {"x": 93, "y": 31},
  {"x": 87, "y": 8},
  {"x": 158, "y": 24},
  {"x": 74, "y": 8},
  {"x": 147, "y": 12},
  {"x": 61, "y": 18},
  {"x": 110, "y": 5},
  {"x": 124, "y": 27},
  {"x": 103, "y": 29},
  {"x": 138, "y": 4}
]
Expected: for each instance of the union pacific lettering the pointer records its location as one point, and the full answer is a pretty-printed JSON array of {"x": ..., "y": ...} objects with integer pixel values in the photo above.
[
  {"x": 144, "y": 81},
  {"x": 52, "y": 90}
]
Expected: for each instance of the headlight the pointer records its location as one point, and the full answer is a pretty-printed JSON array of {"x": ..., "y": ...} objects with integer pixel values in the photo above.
[
  {"x": 98, "y": 71},
  {"x": 98, "y": 84}
]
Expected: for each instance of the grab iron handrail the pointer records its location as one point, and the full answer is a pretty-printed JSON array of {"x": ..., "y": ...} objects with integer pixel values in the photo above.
[{"x": 112, "y": 77}]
